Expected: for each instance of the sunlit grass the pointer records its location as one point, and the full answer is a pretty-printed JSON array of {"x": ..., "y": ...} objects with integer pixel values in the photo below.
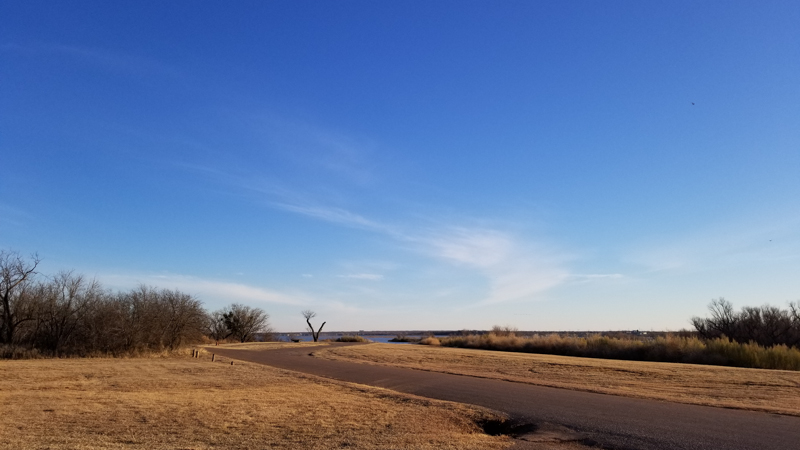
[
  {"x": 776, "y": 391},
  {"x": 671, "y": 348},
  {"x": 191, "y": 403}
]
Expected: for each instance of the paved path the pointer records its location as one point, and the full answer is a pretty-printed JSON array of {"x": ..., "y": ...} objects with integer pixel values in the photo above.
[{"x": 612, "y": 422}]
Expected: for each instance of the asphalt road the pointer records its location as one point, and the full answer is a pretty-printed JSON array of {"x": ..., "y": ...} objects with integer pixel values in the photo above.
[{"x": 606, "y": 421}]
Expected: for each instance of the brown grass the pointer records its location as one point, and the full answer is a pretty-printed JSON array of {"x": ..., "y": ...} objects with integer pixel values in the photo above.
[
  {"x": 179, "y": 402},
  {"x": 670, "y": 348},
  {"x": 430, "y": 340},
  {"x": 776, "y": 391}
]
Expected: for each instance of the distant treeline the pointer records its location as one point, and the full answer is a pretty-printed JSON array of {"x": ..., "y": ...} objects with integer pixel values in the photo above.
[
  {"x": 764, "y": 325},
  {"x": 67, "y": 314},
  {"x": 764, "y": 337}
]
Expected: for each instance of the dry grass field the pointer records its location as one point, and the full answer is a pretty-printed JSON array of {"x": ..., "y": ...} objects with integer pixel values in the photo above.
[
  {"x": 775, "y": 391},
  {"x": 180, "y": 402}
]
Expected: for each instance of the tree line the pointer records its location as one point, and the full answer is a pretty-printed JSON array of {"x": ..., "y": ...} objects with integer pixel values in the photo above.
[
  {"x": 68, "y": 314},
  {"x": 766, "y": 325}
]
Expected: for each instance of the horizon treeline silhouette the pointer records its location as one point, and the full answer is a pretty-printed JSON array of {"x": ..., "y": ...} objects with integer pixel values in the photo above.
[{"x": 70, "y": 315}]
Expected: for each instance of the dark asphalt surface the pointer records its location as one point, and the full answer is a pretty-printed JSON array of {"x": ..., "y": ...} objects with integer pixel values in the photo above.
[{"x": 608, "y": 421}]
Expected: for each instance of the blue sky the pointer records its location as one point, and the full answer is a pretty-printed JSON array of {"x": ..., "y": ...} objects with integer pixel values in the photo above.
[{"x": 410, "y": 165}]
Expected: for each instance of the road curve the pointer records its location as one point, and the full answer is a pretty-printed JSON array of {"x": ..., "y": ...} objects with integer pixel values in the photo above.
[{"x": 611, "y": 422}]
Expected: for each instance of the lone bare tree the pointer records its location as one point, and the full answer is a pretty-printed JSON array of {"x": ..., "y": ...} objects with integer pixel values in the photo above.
[{"x": 308, "y": 314}]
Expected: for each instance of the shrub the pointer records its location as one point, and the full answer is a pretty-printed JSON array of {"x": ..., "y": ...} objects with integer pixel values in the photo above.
[
  {"x": 352, "y": 339},
  {"x": 17, "y": 352},
  {"x": 404, "y": 338},
  {"x": 507, "y": 330},
  {"x": 430, "y": 340}
]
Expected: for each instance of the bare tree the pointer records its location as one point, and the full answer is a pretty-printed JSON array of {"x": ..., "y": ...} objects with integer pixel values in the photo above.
[
  {"x": 507, "y": 330},
  {"x": 15, "y": 276},
  {"x": 216, "y": 326},
  {"x": 794, "y": 313},
  {"x": 185, "y": 318},
  {"x": 65, "y": 301},
  {"x": 244, "y": 322},
  {"x": 721, "y": 323},
  {"x": 68, "y": 314},
  {"x": 142, "y": 320},
  {"x": 308, "y": 314},
  {"x": 765, "y": 325}
]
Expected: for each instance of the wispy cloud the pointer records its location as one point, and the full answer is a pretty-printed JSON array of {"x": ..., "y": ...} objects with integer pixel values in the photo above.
[
  {"x": 590, "y": 277},
  {"x": 13, "y": 216},
  {"x": 516, "y": 270},
  {"x": 335, "y": 215},
  {"x": 322, "y": 150},
  {"x": 471, "y": 246},
  {"x": 721, "y": 246},
  {"x": 363, "y": 276},
  {"x": 205, "y": 288},
  {"x": 516, "y": 267},
  {"x": 276, "y": 195}
]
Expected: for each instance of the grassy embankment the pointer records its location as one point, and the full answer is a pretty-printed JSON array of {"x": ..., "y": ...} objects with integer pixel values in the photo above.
[
  {"x": 774, "y": 391},
  {"x": 669, "y": 348},
  {"x": 182, "y": 402}
]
